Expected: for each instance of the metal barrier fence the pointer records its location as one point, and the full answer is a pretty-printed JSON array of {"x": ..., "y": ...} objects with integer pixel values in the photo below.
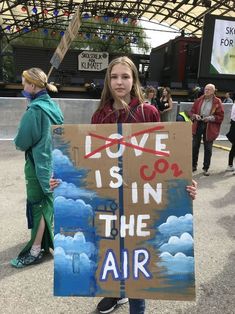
[{"x": 78, "y": 111}]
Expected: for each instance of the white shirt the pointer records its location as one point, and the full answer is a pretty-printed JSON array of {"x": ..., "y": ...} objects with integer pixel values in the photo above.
[
  {"x": 206, "y": 107},
  {"x": 233, "y": 112}
]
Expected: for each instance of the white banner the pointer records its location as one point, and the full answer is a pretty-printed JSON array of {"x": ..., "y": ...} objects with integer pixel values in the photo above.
[
  {"x": 93, "y": 61},
  {"x": 223, "y": 50}
]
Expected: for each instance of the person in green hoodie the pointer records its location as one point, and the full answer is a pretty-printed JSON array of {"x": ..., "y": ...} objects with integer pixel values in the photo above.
[{"x": 34, "y": 138}]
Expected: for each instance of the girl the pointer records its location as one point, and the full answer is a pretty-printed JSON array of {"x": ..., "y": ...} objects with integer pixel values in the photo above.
[
  {"x": 122, "y": 101},
  {"x": 150, "y": 96},
  {"x": 34, "y": 138},
  {"x": 165, "y": 103}
]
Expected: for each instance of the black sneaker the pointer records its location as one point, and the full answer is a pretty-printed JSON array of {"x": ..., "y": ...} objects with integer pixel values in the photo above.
[
  {"x": 26, "y": 260},
  {"x": 107, "y": 305},
  {"x": 206, "y": 173}
]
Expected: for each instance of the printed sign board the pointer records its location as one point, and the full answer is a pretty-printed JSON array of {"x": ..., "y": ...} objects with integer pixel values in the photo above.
[
  {"x": 93, "y": 61},
  {"x": 123, "y": 217},
  {"x": 223, "y": 49},
  {"x": 67, "y": 38}
]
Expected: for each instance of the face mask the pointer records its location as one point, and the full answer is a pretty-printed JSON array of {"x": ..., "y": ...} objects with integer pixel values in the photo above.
[
  {"x": 27, "y": 95},
  {"x": 33, "y": 96}
]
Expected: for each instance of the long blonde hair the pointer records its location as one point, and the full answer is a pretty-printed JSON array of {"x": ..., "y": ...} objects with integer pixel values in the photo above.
[
  {"x": 37, "y": 77},
  {"x": 107, "y": 93}
]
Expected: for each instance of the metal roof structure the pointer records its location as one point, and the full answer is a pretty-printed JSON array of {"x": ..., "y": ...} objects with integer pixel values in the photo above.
[{"x": 19, "y": 17}]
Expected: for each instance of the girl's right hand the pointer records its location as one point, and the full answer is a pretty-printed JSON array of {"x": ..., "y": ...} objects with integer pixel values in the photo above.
[
  {"x": 192, "y": 189},
  {"x": 54, "y": 183}
]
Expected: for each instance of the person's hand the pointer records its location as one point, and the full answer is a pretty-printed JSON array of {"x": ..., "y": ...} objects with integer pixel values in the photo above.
[
  {"x": 192, "y": 189},
  {"x": 209, "y": 119},
  {"x": 196, "y": 117},
  {"x": 206, "y": 119},
  {"x": 54, "y": 183}
]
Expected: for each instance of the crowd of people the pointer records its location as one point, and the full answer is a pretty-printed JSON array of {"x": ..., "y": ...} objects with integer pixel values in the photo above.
[
  {"x": 206, "y": 115},
  {"x": 164, "y": 103},
  {"x": 122, "y": 101}
]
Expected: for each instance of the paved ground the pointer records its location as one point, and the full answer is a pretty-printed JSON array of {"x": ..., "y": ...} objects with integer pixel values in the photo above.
[{"x": 31, "y": 290}]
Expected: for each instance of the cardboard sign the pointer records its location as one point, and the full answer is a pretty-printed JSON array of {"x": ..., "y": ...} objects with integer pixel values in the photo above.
[
  {"x": 93, "y": 61},
  {"x": 68, "y": 37},
  {"x": 123, "y": 217}
]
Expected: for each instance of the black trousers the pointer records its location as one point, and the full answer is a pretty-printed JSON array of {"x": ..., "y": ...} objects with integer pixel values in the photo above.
[
  {"x": 201, "y": 133},
  {"x": 231, "y": 155}
]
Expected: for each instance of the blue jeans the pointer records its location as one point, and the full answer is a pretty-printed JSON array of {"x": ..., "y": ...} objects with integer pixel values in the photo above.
[{"x": 137, "y": 306}]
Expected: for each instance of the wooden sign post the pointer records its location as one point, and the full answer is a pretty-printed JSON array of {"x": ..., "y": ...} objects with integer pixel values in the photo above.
[{"x": 66, "y": 40}]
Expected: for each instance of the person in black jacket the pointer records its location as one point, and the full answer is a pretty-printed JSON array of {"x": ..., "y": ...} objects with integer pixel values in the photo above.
[{"x": 231, "y": 137}]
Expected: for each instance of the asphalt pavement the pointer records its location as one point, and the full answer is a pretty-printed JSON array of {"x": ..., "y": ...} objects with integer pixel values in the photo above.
[{"x": 30, "y": 290}]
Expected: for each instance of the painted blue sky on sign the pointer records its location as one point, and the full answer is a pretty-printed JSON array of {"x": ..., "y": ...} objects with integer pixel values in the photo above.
[{"x": 77, "y": 243}]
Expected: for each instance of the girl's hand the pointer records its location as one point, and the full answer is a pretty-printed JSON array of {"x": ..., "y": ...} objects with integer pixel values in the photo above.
[
  {"x": 192, "y": 189},
  {"x": 54, "y": 183}
]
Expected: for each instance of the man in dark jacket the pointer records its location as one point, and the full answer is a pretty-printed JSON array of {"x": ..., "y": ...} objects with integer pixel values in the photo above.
[{"x": 207, "y": 115}]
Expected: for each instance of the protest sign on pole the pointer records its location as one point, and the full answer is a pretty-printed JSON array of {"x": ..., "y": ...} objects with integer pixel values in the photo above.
[
  {"x": 123, "y": 217},
  {"x": 93, "y": 61},
  {"x": 66, "y": 40}
]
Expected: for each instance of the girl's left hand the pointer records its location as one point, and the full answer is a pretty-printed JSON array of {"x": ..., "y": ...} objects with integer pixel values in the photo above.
[
  {"x": 192, "y": 189},
  {"x": 54, "y": 183}
]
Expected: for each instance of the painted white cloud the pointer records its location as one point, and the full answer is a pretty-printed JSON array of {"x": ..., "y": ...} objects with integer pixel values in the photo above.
[
  {"x": 75, "y": 208},
  {"x": 177, "y": 225},
  {"x": 178, "y": 244},
  {"x": 60, "y": 159},
  {"x": 71, "y": 254},
  {"x": 62, "y": 261},
  {"x": 76, "y": 244},
  {"x": 70, "y": 190},
  {"x": 178, "y": 264}
]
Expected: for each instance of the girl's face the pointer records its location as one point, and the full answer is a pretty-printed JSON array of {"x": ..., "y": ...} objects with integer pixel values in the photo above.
[
  {"x": 121, "y": 81},
  {"x": 28, "y": 87},
  {"x": 164, "y": 93},
  {"x": 150, "y": 95}
]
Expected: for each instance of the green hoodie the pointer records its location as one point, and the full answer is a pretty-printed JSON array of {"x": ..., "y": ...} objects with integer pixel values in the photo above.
[{"x": 34, "y": 136}]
